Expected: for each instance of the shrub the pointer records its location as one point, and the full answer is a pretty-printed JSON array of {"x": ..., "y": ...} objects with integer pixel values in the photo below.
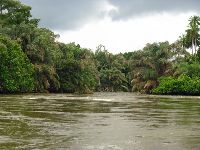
[{"x": 183, "y": 85}]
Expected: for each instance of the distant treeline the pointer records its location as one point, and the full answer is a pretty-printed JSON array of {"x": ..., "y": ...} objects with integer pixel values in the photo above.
[{"x": 31, "y": 60}]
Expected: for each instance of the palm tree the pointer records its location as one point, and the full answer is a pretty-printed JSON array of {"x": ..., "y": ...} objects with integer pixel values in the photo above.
[
  {"x": 182, "y": 41},
  {"x": 150, "y": 64},
  {"x": 178, "y": 49},
  {"x": 192, "y": 34}
]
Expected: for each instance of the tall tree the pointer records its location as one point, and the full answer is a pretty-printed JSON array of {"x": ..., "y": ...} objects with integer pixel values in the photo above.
[
  {"x": 192, "y": 34},
  {"x": 149, "y": 64},
  {"x": 13, "y": 12},
  {"x": 77, "y": 69},
  {"x": 16, "y": 71}
]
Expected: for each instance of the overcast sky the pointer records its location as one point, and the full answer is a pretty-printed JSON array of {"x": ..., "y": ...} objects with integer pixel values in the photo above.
[{"x": 120, "y": 25}]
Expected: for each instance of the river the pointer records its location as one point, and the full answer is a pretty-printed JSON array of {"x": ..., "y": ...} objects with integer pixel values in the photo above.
[{"x": 102, "y": 121}]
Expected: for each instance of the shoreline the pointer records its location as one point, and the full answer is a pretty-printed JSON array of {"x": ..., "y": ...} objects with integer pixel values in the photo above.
[{"x": 88, "y": 94}]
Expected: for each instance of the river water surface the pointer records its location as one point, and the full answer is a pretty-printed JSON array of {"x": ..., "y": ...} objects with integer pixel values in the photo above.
[{"x": 102, "y": 121}]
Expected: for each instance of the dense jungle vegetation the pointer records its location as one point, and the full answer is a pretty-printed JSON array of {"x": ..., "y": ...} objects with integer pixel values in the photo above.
[{"x": 31, "y": 60}]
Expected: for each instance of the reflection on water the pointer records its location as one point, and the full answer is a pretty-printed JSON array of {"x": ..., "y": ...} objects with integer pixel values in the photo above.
[{"x": 103, "y": 121}]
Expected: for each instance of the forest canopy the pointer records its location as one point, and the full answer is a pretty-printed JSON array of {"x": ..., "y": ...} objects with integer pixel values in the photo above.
[{"x": 32, "y": 60}]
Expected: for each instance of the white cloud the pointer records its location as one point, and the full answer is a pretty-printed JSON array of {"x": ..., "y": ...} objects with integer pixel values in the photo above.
[{"x": 129, "y": 35}]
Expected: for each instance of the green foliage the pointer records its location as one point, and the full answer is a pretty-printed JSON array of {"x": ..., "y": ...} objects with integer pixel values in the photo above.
[
  {"x": 104, "y": 58},
  {"x": 114, "y": 71},
  {"x": 43, "y": 48},
  {"x": 189, "y": 69},
  {"x": 183, "y": 85},
  {"x": 149, "y": 64},
  {"x": 77, "y": 70},
  {"x": 31, "y": 58},
  {"x": 198, "y": 55},
  {"x": 192, "y": 34},
  {"x": 46, "y": 78},
  {"x": 16, "y": 72},
  {"x": 112, "y": 80},
  {"x": 13, "y": 12}
]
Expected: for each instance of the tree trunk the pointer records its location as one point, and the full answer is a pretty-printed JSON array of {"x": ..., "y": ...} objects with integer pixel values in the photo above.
[
  {"x": 195, "y": 46},
  {"x": 1, "y": 9},
  {"x": 192, "y": 46}
]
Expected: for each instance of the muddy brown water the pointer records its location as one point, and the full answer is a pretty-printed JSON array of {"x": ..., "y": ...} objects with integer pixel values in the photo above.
[{"x": 102, "y": 121}]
